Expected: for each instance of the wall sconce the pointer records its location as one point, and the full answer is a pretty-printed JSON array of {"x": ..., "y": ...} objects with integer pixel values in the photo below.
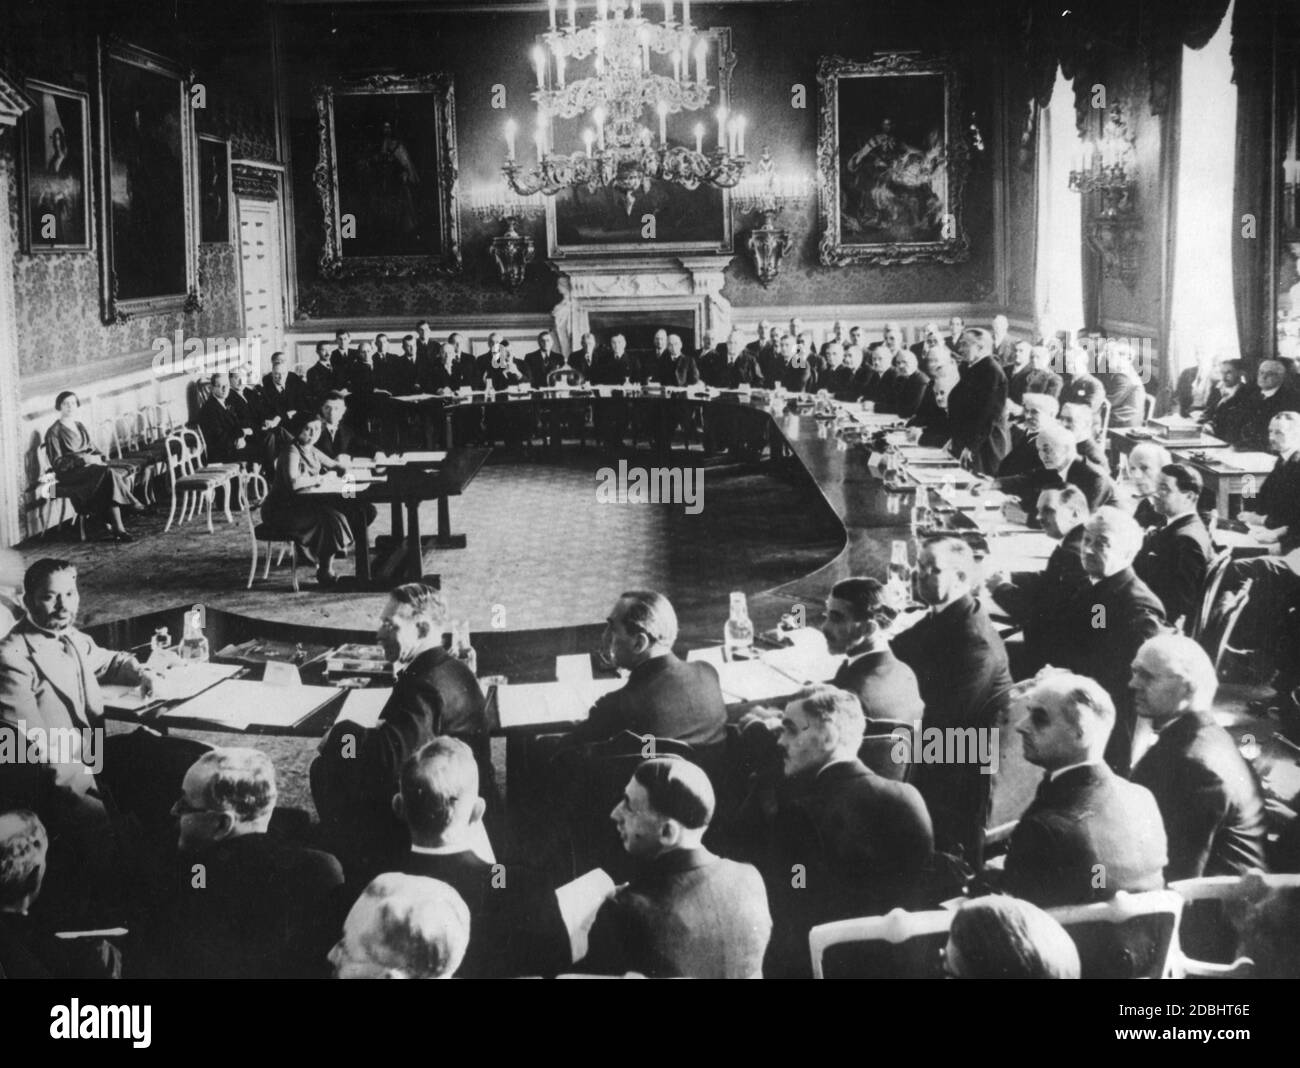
[
  {"x": 1105, "y": 172},
  {"x": 765, "y": 192},
  {"x": 512, "y": 252}
]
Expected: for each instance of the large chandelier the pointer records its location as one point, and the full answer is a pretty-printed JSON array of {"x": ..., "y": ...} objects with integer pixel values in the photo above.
[{"x": 619, "y": 150}]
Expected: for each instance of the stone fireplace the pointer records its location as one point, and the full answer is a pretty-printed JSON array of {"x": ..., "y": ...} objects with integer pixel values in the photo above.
[{"x": 680, "y": 289}]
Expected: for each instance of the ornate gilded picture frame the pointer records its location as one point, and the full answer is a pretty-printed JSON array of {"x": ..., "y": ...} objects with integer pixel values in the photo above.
[
  {"x": 892, "y": 160},
  {"x": 56, "y": 158},
  {"x": 386, "y": 176},
  {"x": 148, "y": 172}
]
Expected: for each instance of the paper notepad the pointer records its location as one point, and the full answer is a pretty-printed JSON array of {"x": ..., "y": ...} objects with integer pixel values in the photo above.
[
  {"x": 745, "y": 680},
  {"x": 541, "y": 703},
  {"x": 362, "y": 706},
  {"x": 241, "y": 703},
  {"x": 179, "y": 683},
  {"x": 413, "y": 458}
]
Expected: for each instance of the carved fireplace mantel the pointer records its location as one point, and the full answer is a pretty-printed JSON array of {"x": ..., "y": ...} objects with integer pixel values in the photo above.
[{"x": 605, "y": 286}]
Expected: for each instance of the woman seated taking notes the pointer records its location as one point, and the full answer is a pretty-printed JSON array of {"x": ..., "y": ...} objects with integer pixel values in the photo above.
[
  {"x": 84, "y": 474},
  {"x": 316, "y": 525}
]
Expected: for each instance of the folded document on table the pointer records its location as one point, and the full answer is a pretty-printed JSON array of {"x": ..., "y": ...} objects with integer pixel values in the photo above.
[
  {"x": 241, "y": 703},
  {"x": 539, "y": 703}
]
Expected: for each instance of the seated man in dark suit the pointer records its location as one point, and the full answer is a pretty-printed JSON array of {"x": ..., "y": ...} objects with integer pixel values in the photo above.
[
  {"x": 1036, "y": 376},
  {"x": 1080, "y": 420},
  {"x": 1275, "y": 522},
  {"x": 1275, "y": 394},
  {"x": 908, "y": 386},
  {"x": 1174, "y": 558},
  {"x": 542, "y": 360},
  {"x": 282, "y": 395},
  {"x": 1061, "y": 466},
  {"x": 1102, "y": 626},
  {"x": 1235, "y": 406},
  {"x": 354, "y": 778},
  {"x": 836, "y": 376},
  {"x": 1033, "y": 599},
  {"x": 687, "y": 912},
  {"x": 1080, "y": 386},
  {"x": 873, "y": 379},
  {"x": 961, "y": 666},
  {"x": 663, "y": 696},
  {"x": 859, "y": 842},
  {"x": 403, "y": 927},
  {"x": 1124, "y": 389},
  {"x": 857, "y": 625},
  {"x": 326, "y": 375},
  {"x": 337, "y": 438},
  {"x": 28, "y": 949},
  {"x": 1209, "y": 796},
  {"x": 242, "y": 398},
  {"x": 264, "y": 908},
  {"x": 1088, "y": 833},
  {"x": 398, "y": 373},
  {"x": 517, "y": 928},
  {"x": 227, "y": 438},
  {"x": 1197, "y": 388}
]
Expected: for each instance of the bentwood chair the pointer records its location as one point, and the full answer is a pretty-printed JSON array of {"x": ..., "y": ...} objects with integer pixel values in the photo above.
[
  {"x": 254, "y": 491},
  {"x": 1209, "y": 905}
]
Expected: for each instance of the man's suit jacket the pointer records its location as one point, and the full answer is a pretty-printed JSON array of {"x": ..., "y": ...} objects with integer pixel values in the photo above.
[
  {"x": 961, "y": 665},
  {"x": 1173, "y": 562},
  {"x": 342, "y": 441},
  {"x": 1094, "y": 484},
  {"x": 872, "y": 385},
  {"x": 932, "y": 417},
  {"x": 688, "y": 913},
  {"x": 885, "y": 685},
  {"x": 280, "y": 401},
  {"x": 1086, "y": 835},
  {"x": 1034, "y": 599},
  {"x": 324, "y": 378},
  {"x": 221, "y": 430},
  {"x": 1233, "y": 413},
  {"x": 1184, "y": 388},
  {"x": 398, "y": 374},
  {"x": 1279, "y": 500},
  {"x": 515, "y": 922},
  {"x": 764, "y": 352},
  {"x": 1101, "y": 629},
  {"x": 1209, "y": 797},
  {"x": 665, "y": 696},
  {"x": 977, "y": 415},
  {"x": 540, "y": 364},
  {"x": 1126, "y": 397},
  {"x": 354, "y": 778},
  {"x": 908, "y": 393},
  {"x": 684, "y": 371},
  {"x": 1022, "y": 458},
  {"x": 28, "y": 950},
  {"x": 265, "y": 909},
  {"x": 1261, "y": 409},
  {"x": 610, "y": 370}
]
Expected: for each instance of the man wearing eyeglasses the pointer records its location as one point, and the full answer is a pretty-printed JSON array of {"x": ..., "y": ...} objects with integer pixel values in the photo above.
[
  {"x": 249, "y": 905},
  {"x": 1087, "y": 833},
  {"x": 664, "y": 696}
]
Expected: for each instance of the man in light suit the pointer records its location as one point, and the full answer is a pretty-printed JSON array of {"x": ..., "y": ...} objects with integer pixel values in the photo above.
[
  {"x": 687, "y": 912},
  {"x": 1088, "y": 833},
  {"x": 1209, "y": 796}
]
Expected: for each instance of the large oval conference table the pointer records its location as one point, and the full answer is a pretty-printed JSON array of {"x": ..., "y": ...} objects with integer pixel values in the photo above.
[{"x": 834, "y": 455}]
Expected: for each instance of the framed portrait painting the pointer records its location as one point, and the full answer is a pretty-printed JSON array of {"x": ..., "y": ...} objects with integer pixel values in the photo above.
[
  {"x": 56, "y": 171},
  {"x": 891, "y": 160},
  {"x": 147, "y": 160},
  {"x": 656, "y": 216},
  {"x": 386, "y": 175},
  {"x": 214, "y": 190}
]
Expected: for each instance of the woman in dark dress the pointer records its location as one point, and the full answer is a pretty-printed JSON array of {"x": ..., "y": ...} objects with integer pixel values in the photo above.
[
  {"x": 84, "y": 474},
  {"x": 315, "y": 524}
]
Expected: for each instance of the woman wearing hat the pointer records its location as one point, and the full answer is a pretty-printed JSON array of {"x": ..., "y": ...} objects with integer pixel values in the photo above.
[
  {"x": 84, "y": 474},
  {"x": 316, "y": 525}
]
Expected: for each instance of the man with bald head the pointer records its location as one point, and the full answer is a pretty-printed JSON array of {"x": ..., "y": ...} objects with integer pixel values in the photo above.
[
  {"x": 227, "y": 438},
  {"x": 403, "y": 927},
  {"x": 1087, "y": 834},
  {"x": 1145, "y": 462},
  {"x": 1209, "y": 796},
  {"x": 687, "y": 912},
  {"x": 1104, "y": 623}
]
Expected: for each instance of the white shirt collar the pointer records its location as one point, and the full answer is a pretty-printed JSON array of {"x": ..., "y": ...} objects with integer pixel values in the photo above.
[
  {"x": 1054, "y": 775},
  {"x": 439, "y": 851},
  {"x": 1269, "y": 392}
]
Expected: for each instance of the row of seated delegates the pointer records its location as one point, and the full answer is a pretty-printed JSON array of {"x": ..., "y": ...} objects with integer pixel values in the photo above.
[
  {"x": 320, "y": 529},
  {"x": 1239, "y": 411},
  {"x": 101, "y": 799},
  {"x": 1274, "y": 587},
  {"x": 95, "y": 485}
]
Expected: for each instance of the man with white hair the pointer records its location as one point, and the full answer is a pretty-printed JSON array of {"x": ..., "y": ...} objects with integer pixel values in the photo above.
[
  {"x": 1036, "y": 376},
  {"x": 1103, "y": 625},
  {"x": 931, "y": 337},
  {"x": 248, "y": 904},
  {"x": 1145, "y": 462},
  {"x": 1038, "y": 410},
  {"x": 1275, "y": 394},
  {"x": 1209, "y": 796},
  {"x": 1079, "y": 385},
  {"x": 1060, "y": 466},
  {"x": 1080, "y": 420},
  {"x": 1124, "y": 389},
  {"x": 908, "y": 386},
  {"x": 687, "y": 912},
  {"x": 892, "y": 335},
  {"x": 1087, "y": 834},
  {"x": 403, "y": 927},
  {"x": 1004, "y": 347}
]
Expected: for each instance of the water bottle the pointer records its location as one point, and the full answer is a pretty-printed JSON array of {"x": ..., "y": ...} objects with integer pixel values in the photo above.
[
  {"x": 460, "y": 646},
  {"x": 160, "y": 644},
  {"x": 738, "y": 634},
  {"x": 899, "y": 586},
  {"x": 194, "y": 644}
]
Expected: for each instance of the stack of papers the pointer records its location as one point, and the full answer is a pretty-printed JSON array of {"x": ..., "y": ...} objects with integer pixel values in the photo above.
[
  {"x": 239, "y": 704},
  {"x": 937, "y": 475},
  {"x": 398, "y": 459},
  {"x": 362, "y": 706},
  {"x": 178, "y": 683},
  {"x": 541, "y": 703}
]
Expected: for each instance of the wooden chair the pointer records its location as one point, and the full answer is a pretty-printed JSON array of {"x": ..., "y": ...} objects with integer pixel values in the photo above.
[
  {"x": 1131, "y": 936},
  {"x": 197, "y": 445},
  {"x": 899, "y": 945},
  {"x": 1199, "y": 620},
  {"x": 254, "y": 491},
  {"x": 1103, "y": 422},
  {"x": 48, "y": 489},
  {"x": 131, "y": 452},
  {"x": 1225, "y": 890},
  {"x": 193, "y": 488}
]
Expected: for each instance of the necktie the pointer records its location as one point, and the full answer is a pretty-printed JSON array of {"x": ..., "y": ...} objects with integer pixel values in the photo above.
[{"x": 79, "y": 669}]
